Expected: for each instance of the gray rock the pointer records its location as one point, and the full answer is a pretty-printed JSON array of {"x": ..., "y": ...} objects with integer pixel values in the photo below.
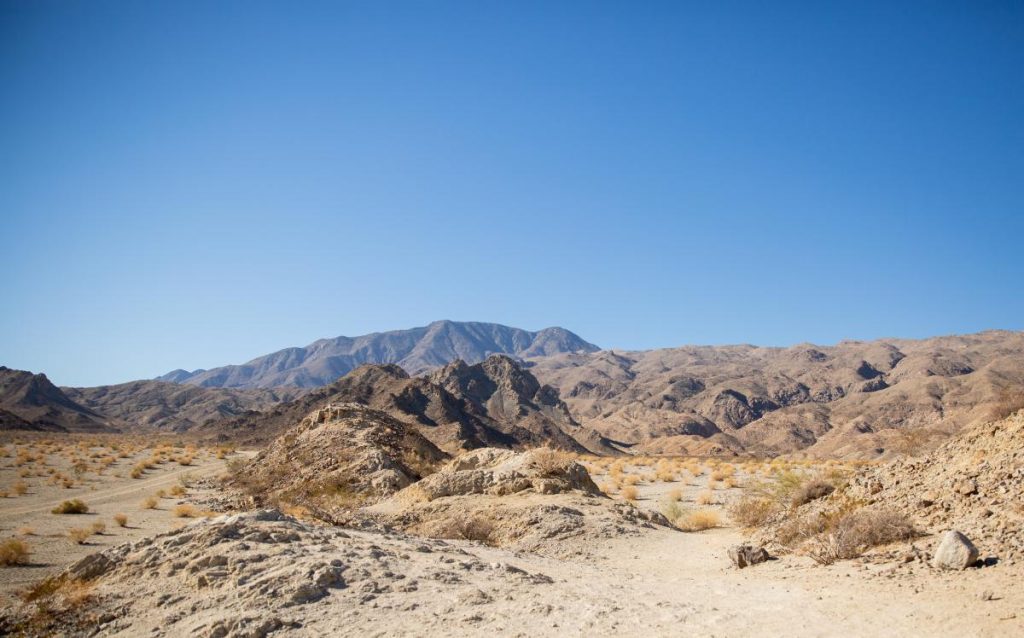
[
  {"x": 92, "y": 566},
  {"x": 746, "y": 555},
  {"x": 955, "y": 551}
]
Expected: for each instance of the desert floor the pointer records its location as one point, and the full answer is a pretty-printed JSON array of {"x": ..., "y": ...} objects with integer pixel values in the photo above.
[{"x": 665, "y": 583}]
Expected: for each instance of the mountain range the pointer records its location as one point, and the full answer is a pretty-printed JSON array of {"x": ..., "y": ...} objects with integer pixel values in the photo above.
[{"x": 415, "y": 350}]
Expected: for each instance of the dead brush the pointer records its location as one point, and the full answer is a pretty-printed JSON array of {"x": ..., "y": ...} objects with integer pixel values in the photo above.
[
  {"x": 14, "y": 551},
  {"x": 753, "y": 511},
  {"x": 550, "y": 462},
  {"x": 857, "y": 532},
  {"x": 698, "y": 521},
  {"x": 74, "y": 506}
]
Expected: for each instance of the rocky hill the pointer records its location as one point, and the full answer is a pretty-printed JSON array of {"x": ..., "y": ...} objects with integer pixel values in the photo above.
[
  {"x": 30, "y": 402},
  {"x": 854, "y": 399},
  {"x": 495, "y": 403},
  {"x": 174, "y": 407},
  {"x": 416, "y": 350}
]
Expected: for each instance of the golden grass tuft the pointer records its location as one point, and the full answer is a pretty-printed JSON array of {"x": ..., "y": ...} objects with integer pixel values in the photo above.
[
  {"x": 79, "y": 535},
  {"x": 706, "y": 498},
  {"x": 185, "y": 510},
  {"x": 121, "y": 519},
  {"x": 150, "y": 503},
  {"x": 14, "y": 551},
  {"x": 629, "y": 493},
  {"x": 74, "y": 506},
  {"x": 98, "y": 528},
  {"x": 698, "y": 521}
]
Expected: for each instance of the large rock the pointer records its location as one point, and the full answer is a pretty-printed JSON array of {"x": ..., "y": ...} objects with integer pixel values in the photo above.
[
  {"x": 955, "y": 551},
  {"x": 746, "y": 555}
]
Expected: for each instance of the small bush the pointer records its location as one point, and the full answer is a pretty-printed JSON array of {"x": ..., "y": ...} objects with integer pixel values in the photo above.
[
  {"x": 150, "y": 503},
  {"x": 185, "y": 511},
  {"x": 629, "y": 493},
  {"x": 673, "y": 510},
  {"x": 99, "y": 527},
  {"x": 857, "y": 532},
  {"x": 478, "y": 529},
  {"x": 178, "y": 490},
  {"x": 698, "y": 521},
  {"x": 121, "y": 520},
  {"x": 752, "y": 511},
  {"x": 79, "y": 535},
  {"x": 705, "y": 498},
  {"x": 810, "y": 491},
  {"x": 74, "y": 506},
  {"x": 20, "y": 488},
  {"x": 14, "y": 551},
  {"x": 675, "y": 495}
]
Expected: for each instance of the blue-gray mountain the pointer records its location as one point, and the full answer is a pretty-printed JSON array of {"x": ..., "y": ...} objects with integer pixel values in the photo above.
[{"x": 416, "y": 350}]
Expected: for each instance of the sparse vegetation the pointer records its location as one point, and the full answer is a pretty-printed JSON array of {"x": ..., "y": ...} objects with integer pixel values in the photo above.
[
  {"x": 698, "y": 521},
  {"x": 629, "y": 493},
  {"x": 753, "y": 510},
  {"x": 14, "y": 551},
  {"x": 79, "y": 535},
  {"x": 74, "y": 506},
  {"x": 185, "y": 510},
  {"x": 121, "y": 519},
  {"x": 150, "y": 503}
]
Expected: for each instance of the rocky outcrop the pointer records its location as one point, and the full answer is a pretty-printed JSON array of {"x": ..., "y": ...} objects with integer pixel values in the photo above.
[
  {"x": 747, "y": 555},
  {"x": 341, "y": 455},
  {"x": 30, "y": 402}
]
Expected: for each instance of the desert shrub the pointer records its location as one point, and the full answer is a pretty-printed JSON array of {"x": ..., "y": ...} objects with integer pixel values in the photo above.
[
  {"x": 698, "y": 520},
  {"x": 99, "y": 527},
  {"x": 178, "y": 490},
  {"x": 752, "y": 511},
  {"x": 857, "y": 532},
  {"x": 185, "y": 460},
  {"x": 551, "y": 462},
  {"x": 185, "y": 511},
  {"x": 74, "y": 506},
  {"x": 150, "y": 503},
  {"x": 477, "y": 528},
  {"x": 79, "y": 535},
  {"x": 810, "y": 491},
  {"x": 673, "y": 510},
  {"x": 675, "y": 495},
  {"x": 629, "y": 493},
  {"x": 705, "y": 498},
  {"x": 608, "y": 487},
  {"x": 632, "y": 479},
  {"x": 20, "y": 488},
  {"x": 14, "y": 551},
  {"x": 121, "y": 520}
]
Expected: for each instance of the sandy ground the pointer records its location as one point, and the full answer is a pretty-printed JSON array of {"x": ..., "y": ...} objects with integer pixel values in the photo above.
[
  {"x": 29, "y": 516},
  {"x": 666, "y": 583}
]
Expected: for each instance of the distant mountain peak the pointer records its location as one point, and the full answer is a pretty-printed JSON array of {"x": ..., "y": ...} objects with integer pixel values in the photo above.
[{"x": 415, "y": 350}]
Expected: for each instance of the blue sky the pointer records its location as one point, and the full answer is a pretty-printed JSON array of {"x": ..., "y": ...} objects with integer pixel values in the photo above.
[{"x": 188, "y": 184}]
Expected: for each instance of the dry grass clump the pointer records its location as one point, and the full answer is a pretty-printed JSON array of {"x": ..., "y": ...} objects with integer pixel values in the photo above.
[
  {"x": 178, "y": 490},
  {"x": 150, "y": 503},
  {"x": 675, "y": 495},
  {"x": 629, "y": 493},
  {"x": 608, "y": 487},
  {"x": 121, "y": 519},
  {"x": 698, "y": 521},
  {"x": 753, "y": 511},
  {"x": 185, "y": 510},
  {"x": 853, "y": 534},
  {"x": 14, "y": 551},
  {"x": 810, "y": 491},
  {"x": 551, "y": 462},
  {"x": 74, "y": 506},
  {"x": 20, "y": 488},
  {"x": 99, "y": 527},
  {"x": 705, "y": 498},
  {"x": 632, "y": 479},
  {"x": 79, "y": 535}
]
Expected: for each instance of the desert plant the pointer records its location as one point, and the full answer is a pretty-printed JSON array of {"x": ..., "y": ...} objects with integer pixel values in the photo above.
[
  {"x": 698, "y": 521},
  {"x": 185, "y": 510},
  {"x": 478, "y": 528},
  {"x": 705, "y": 498},
  {"x": 121, "y": 519},
  {"x": 14, "y": 551},
  {"x": 752, "y": 511},
  {"x": 673, "y": 510},
  {"x": 629, "y": 493},
  {"x": 74, "y": 506},
  {"x": 99, "y": 527},
  {"x": 858, "y": 531},
  {"x": 150, "y": 503},
  {"x": 810, "y": 491},
  {"x": 178, "y": 490},
  {"x": 79, "y": 535},
  {"x": 20, "y": 488},
  {"x": 675, "y": 495}
]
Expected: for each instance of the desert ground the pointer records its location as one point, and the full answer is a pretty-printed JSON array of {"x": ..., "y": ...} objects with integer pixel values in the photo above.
[{"x": 660, "y": 580}]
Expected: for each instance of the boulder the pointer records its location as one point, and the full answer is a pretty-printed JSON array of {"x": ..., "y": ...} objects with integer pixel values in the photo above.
[
  {"x": 746, "y": 555},
  {"x": 955, "y": 551}
]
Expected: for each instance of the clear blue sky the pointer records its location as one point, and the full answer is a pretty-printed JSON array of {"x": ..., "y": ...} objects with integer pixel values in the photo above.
[{"x": 189, "y": 184}]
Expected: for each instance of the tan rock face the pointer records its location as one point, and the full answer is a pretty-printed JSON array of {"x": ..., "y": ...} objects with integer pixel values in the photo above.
[{"x": 855, "y": 399}]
